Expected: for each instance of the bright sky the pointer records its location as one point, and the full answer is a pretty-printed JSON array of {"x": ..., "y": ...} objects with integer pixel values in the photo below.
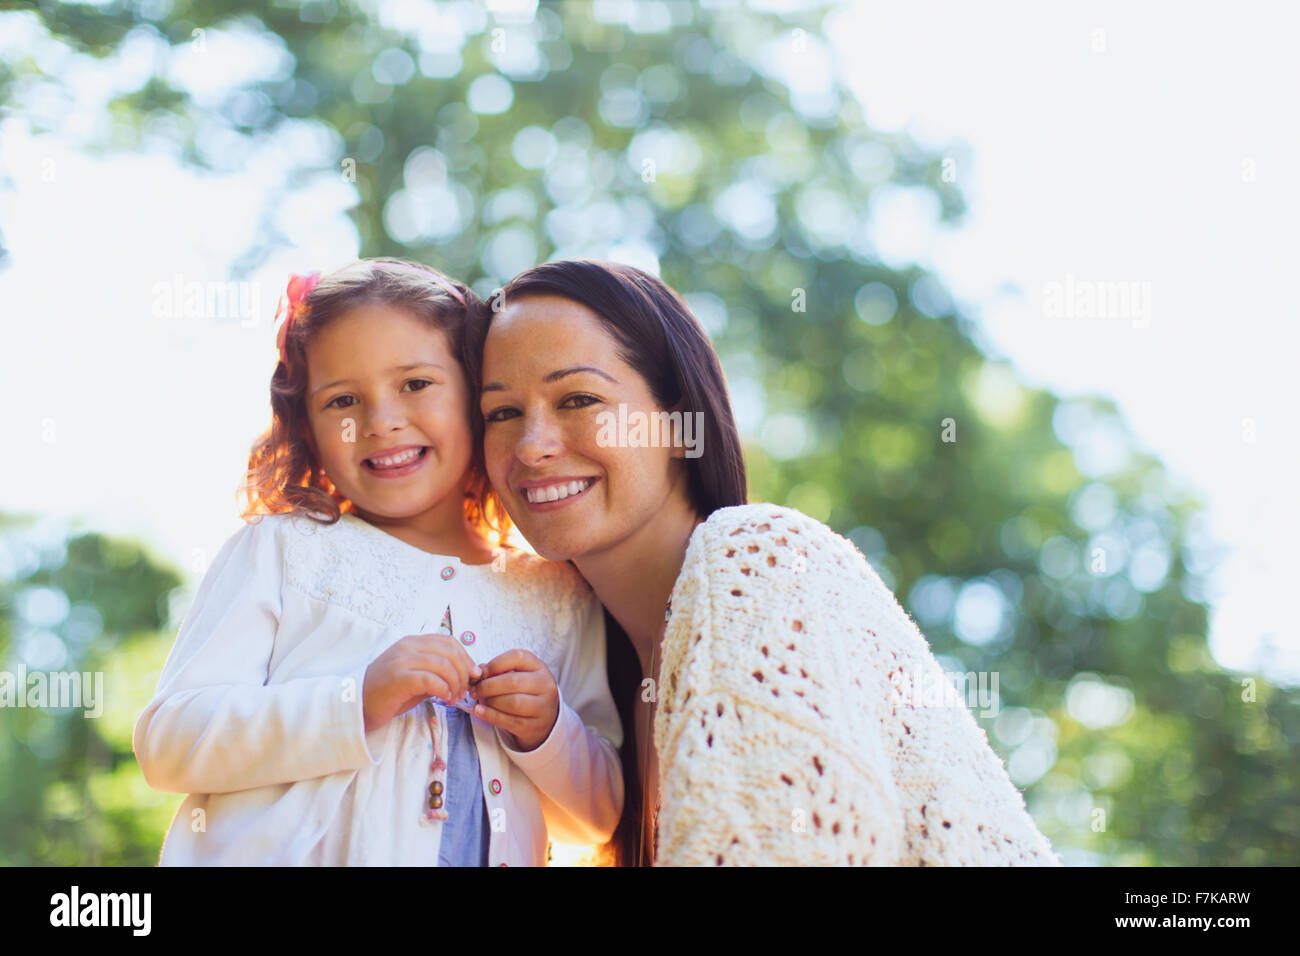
[
  {"x": 1127, "y": 155},
  {"x": 1166, "y": 159}
]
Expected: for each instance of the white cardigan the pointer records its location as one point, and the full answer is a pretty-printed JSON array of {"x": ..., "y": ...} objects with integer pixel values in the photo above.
[
  {"x": 258, "y": 712},
  {"x": 790, "y": 729}
]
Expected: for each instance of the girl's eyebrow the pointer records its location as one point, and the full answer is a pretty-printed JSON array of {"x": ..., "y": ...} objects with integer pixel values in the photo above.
[
  {"x": 556, "y": 376},
  {"x": 395, "y": 368}
]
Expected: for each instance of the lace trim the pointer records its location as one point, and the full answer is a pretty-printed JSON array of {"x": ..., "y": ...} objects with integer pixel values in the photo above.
[
  {"x": 538, "y": 610},
  {"x": 527, "y": 601},
  {"x": 356, "y": 566}
]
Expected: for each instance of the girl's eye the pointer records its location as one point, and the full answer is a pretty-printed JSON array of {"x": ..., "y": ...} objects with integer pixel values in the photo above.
[
  {"x": 423, "y": 383},
  {"x": 583, "y": 400}
]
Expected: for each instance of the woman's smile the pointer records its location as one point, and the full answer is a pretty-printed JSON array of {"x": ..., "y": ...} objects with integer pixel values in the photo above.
[
  {"x": 550, "y": 368},
  {"x": 551, "y": 494}
]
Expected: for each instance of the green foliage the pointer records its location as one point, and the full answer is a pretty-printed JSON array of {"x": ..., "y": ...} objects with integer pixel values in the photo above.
[
  {"x": 70, "y": 789},
  {"x": 880, "y": 415}
]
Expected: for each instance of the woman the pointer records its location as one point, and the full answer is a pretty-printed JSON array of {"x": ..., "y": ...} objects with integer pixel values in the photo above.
[{"x": 775, "y": 667}]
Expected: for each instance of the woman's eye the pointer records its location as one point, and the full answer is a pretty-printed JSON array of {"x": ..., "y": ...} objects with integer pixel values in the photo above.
[
  {"x": 422, "y": 382},
  {"x": 333, "y": 403},
  {"x": 582, "y": 400},
  {"x": 499, "y": 414}
]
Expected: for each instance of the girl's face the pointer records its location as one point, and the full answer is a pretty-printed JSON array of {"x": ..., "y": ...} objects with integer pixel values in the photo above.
[
  {"x": 549, "y": 370},
  {"x": 388, "y": 405}
]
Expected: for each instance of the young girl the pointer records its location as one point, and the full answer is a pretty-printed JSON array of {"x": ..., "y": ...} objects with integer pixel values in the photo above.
[{"x": 362, "y": 679}]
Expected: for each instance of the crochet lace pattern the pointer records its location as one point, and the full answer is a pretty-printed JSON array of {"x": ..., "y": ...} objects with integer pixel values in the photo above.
[{"x": 783, "y": 732}]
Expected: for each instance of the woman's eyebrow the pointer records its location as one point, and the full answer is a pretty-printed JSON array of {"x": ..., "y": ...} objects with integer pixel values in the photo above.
[{"x": 556, "y": 376}]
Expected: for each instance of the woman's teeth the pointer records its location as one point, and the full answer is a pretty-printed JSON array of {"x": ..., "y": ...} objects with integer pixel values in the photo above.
[
  {"x": 394, "y": 461},
  {"x": 556, "y": 492}
]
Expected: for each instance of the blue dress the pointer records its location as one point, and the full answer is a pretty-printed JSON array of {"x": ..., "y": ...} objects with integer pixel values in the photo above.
[{"x": 465, "y": 833}]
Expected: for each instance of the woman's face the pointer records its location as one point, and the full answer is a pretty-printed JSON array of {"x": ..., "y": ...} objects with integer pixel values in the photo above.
[
  {"x": 549, "y": 370},
  {"x": 380, "y": 380}
]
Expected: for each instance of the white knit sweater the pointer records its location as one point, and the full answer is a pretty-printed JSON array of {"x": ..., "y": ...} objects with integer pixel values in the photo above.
[{"x": 787, "y": 729}]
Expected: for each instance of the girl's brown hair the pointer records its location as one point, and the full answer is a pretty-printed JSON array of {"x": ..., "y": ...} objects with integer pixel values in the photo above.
[{"x": 284, "y": 472}]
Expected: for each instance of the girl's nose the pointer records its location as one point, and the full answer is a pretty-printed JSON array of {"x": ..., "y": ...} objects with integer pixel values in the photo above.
[{"x": 382, "y": 418}]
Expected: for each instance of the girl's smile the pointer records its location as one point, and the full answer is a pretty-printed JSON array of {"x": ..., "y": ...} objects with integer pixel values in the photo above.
[
  {"x": 388, "y": 405},
  {"x": 397, "y": 462}
]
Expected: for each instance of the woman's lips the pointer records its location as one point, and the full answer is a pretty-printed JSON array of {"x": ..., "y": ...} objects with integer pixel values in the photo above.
[
  {"x": 583, "y": 485},
  {"x": 400, "y": 471}
]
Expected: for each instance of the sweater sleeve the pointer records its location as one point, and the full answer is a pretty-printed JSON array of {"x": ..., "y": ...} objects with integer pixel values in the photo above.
[
  {"x": 792, "y": 705},
  {"x": 764, "y": 759},
  {"x": 216, "y": 724},
  {"x": 961, "y": 807},
  {"x": 576, "y": 769}
]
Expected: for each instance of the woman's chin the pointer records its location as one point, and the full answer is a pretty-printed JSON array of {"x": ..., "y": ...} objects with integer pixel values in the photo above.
[
  {"x": 555, "y": 551},
  {"x": 552, "y": 546}
]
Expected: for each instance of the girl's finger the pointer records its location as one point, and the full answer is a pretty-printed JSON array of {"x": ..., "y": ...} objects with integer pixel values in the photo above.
[
  {"x": 441, "y": 645},
  {"x": 497, "y": 719},
  {"x": 516, "y": 659},
  {"x": 463, "y": 658},
  {"x": 446, "y": 670},
  {"x": 511, "y": 683},
  {"x": 429, "y": 684},
  {"x": 519, "y": 705},
  {"x": 455, "y": 655}
]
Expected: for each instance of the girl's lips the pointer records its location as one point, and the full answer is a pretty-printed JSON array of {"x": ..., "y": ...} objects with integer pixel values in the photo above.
[
  {"x": 560, "y": 503},
  {"x": 401, "y": 471}
]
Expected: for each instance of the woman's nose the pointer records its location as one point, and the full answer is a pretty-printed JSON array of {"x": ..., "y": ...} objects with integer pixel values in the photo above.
[{"x": 540, "y": 440}]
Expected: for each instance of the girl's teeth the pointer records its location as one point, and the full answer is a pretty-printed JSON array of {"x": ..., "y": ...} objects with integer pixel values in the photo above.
[{"x": 391, "y": 461}]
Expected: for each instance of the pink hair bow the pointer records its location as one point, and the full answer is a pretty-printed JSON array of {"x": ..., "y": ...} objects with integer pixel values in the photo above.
[{"x": 290, "y": 305}]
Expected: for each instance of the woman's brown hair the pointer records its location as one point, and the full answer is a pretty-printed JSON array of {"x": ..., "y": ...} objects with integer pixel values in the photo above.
[
  {"x": 659, "y": 337},
  {"x": 284, "y": 473}
]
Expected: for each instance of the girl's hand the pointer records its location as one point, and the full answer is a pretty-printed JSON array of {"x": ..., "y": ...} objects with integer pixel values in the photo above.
[
  {"x": 416, "y": 667},
  {"x": 518, "y": 694}
]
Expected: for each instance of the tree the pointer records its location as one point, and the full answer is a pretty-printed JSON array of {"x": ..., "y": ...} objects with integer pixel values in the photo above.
[{"x": 482, "y": 145}]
